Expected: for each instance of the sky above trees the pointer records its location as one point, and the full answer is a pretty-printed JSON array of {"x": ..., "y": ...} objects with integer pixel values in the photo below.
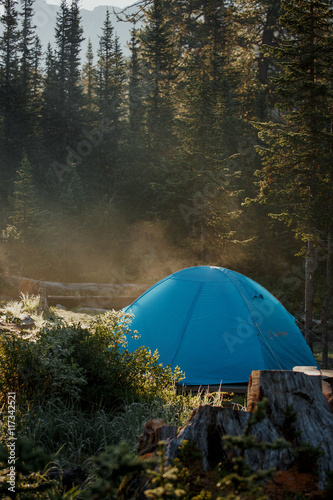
[{"x": 91, "y": 4}]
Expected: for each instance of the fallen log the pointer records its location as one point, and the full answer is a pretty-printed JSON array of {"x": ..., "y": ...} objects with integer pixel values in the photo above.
[
  {"x": 13, "y": 286},
  {"x": 90, "y": 301}
]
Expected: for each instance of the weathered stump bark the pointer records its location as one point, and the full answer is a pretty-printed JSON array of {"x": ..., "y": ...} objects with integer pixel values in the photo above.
[
  {"x": 208, "y": 424},
  {"x": 328, "y": 392},
  {"x": 155, "y": 431},
  {"x": 300, "y": 396},
  {"x": 302, "y": 393}
]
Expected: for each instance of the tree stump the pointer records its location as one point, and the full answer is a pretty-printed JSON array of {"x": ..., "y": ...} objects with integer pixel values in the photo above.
[
  {"x": 208, "y": 424},
  {"x": 297, "y": 411},
  {"x": 303, "y": 394}
]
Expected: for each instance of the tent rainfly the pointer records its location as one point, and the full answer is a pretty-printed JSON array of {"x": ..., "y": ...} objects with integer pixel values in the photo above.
[{"x": 217, "y": 325}]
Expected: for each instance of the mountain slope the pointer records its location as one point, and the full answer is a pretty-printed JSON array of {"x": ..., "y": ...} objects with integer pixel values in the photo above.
[{"x": 92, "y": 22}]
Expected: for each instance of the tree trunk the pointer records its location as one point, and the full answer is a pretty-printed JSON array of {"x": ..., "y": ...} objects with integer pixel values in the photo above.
[
  {"x": 309, "y": 292},
  {"x": 327, "y": 300}
]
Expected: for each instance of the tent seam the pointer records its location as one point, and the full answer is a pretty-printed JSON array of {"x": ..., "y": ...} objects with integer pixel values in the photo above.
[
  {"x": 249, "y": 306},
  {"x": 186, "y": 322},
  {"x": 237, "y": 285},
  {"x": 145, "y": 293}
]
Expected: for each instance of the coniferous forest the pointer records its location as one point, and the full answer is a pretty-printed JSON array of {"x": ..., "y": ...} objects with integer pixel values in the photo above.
[{"x": 210, "y": 144}]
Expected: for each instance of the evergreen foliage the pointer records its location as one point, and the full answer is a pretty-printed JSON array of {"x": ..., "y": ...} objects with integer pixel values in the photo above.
[
  {"x": 9, "y": 86},
  {"x": 297, "y": 160},
  {"x": 165, "y": 136},
  {"x": 297, "y": 151},
  {"x": 89, "y": 77}
]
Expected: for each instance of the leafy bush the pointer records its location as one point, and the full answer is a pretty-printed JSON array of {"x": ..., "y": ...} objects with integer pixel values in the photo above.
[
  {"x": 38, "y": 369},
  {"x": 90, "y": 364}
]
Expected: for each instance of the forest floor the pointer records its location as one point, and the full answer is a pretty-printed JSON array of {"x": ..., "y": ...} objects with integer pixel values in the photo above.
[{"x": 283, "y": 485}]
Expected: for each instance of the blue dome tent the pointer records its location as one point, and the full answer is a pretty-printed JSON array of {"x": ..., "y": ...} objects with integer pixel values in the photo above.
[{"x": 217, "y": 326}]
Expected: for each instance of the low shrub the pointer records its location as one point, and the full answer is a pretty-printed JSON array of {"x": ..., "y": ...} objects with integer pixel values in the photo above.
[{"x": 90, "y": 364}]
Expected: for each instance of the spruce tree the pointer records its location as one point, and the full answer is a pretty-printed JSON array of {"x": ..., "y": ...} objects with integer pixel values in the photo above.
[
  {"x": 135, "y": 93},
  {"x": 118, "y": 83},
  {"x": 29, "y": 79},
  {"x": 104, "y": 88},
  {"x": 62, "y": 49},
  {"x": 36, "y": 82},
  {"x": 63, "y": 99},
  {"x": 51, "y": 116},
  {"x": 134, "y": 182},
  {"x": 210, "y": 130},
  {"x": 89, "y": 76},
  {"x": 69, "y": 36},
  {"x": 9, "y": 84},
  {"x": 27, "y": 41},
  {"x": 73, "y": 84},
  {"x": 109, "y": 99},
  {"x": 297, "y": 152},
  {"x": 25, "y": 225},
  {"x": 24, "y": 200},
  {"x": 160, "y": 70}
]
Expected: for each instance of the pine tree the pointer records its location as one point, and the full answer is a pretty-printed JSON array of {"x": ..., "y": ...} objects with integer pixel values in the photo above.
[
  {"x": 297, "y": 158},
  {"x": 109, "y": 99},
  {"x": 73, "y": 86},
  {"x": 63, "y": 99},
  {"x": 210, "y": 131},
  {"x": 135, "y": 93},
  {"x": 24, "y": 201},
  {"x": 89, "y": 76},
  {"x": 62, "y": 49},
  {"x": 160, "y": 70},
  {"x": 27, "y": 42},
  {"x": 9, "y": 89},
  {"x": 36, "y": 69},
  {"x": 29, "y": 79},
  {"x": 104, "y": 88}
]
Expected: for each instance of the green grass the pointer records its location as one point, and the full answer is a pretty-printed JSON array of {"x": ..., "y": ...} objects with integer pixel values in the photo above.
[
  {"x": 75, "y": 435},
  {"x": 76, "y": 429}
]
